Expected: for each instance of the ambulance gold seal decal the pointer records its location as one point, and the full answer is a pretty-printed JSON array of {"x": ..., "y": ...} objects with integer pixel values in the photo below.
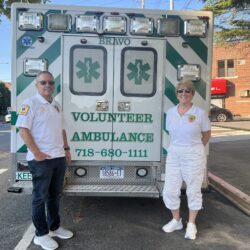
[
  {"x": 191, "y": 118},
  {"x": 24, "y": 110}
]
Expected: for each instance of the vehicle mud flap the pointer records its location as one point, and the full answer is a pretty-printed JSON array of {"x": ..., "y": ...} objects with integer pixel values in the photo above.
[{"x": 15, "y": 189}]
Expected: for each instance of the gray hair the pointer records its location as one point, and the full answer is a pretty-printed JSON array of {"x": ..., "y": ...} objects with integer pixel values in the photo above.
[
  {"x": 44, "y": 73},
  {"x": 186, "y": 84}
]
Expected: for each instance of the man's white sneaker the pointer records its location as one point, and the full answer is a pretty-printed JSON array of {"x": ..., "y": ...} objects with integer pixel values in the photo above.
[
  {"x": 61, "y": 233},
  {"x": 172, "y": 226},
  {"x": 46, "y": 242},
  {"x": 191, "y": 231}
]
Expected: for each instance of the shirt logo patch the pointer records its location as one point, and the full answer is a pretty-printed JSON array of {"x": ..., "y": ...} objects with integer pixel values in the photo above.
[
  {"x": 191, "y": 118},
  {"x": 24, "y": 110}
]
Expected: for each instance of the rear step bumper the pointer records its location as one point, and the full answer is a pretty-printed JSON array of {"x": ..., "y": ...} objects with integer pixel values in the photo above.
[
  {"x": 112, "y": 190},
  {"x": 100, "y": 190}
]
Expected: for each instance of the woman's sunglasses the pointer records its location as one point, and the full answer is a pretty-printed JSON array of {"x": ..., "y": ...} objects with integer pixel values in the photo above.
[{"x": 180, "y": 91}]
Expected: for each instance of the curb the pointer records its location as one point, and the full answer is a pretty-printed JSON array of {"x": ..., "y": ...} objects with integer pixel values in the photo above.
[
  {"x": 237, "y": 197},
  {"x": 225, "y": 126}
]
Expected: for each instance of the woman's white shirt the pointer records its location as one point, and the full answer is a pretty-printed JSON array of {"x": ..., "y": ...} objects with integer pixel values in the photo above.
[{"x": 186, "y": 130}]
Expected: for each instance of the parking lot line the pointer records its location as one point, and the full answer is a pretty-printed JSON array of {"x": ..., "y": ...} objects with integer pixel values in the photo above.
[
  {"x": 27, "y": 238},
  {"x": 3, "y": 170}
]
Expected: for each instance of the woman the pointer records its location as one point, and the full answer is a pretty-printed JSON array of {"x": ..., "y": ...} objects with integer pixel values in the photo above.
[{"x": 189, "y": 130}]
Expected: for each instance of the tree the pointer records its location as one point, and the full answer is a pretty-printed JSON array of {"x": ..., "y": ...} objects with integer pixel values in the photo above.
[
  {"x": 4, "y": 98},
  {"x": 232, "y": 19},
  {"x": 5, "y": 5}
]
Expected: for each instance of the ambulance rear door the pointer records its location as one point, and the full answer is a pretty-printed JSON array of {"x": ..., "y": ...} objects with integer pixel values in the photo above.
[
  {"x": 112, "y": 97},
  {"x": 138, "y": 83},
  {"x": 87, "y": 96}
]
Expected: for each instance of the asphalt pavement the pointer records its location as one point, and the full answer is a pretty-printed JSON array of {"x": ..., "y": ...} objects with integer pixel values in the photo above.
[{"x": 230, "y": 160}]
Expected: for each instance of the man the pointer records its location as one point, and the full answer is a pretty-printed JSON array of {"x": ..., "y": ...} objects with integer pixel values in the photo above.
[{"x": 41, "y": 126}]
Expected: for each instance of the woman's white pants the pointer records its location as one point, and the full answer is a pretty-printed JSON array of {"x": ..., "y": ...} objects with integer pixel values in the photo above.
[{"x": 184, "y": 163}]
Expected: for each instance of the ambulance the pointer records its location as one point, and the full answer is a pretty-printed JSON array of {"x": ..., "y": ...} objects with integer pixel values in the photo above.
[{"x": 115, "y": 73}]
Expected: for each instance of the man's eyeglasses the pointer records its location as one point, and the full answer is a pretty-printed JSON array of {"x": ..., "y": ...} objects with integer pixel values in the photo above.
[
  {"x": 180, "y": 91},
  {"x": 51, "y": 83}
]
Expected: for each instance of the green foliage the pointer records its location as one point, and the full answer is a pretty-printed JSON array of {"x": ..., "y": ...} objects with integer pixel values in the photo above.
[
  {"x": 4, "y": 98},
  {"x": 5, "y": 5},
  {"x": 232, "y": 19}
]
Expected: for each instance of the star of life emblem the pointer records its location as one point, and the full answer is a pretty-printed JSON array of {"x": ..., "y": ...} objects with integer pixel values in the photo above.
[{"x": 27, "y": 41}]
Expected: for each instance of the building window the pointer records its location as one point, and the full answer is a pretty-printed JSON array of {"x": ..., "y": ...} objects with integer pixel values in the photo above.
[
  {"x": 245, "y": 93},
  {"x": 230, "y": 68},
  {"x": 221, "y": 68},
  {"x": 226, "y": 68}
]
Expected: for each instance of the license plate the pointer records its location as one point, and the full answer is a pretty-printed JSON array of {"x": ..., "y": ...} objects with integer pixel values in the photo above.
[{"x": 112, "y": 172}]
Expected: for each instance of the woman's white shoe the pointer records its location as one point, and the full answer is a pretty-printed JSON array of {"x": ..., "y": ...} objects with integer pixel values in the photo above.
[
  {"x": 172, "y": 226},
  {"x": 191, "y": 231}
]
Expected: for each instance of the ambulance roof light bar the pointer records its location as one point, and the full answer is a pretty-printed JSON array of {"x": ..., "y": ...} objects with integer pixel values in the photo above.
[
  {"x": 168, "y": 27},
  {"x": 196, "y": 27},
  {"x": 114, "y": 24},
  {"x": 141, "y": 26},
  {"x": 30, "y": 21},
  {"x": 86, "y": 23},
  {"x": 59, "y": 22}
]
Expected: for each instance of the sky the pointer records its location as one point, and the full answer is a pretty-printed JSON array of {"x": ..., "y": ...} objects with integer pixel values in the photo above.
[{"x": 5, "y": 26}]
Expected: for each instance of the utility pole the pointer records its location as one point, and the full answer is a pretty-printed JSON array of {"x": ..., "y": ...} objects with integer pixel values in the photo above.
[
  {"x": 142, "y": 4},
  {"x": 171, "y": 4}
]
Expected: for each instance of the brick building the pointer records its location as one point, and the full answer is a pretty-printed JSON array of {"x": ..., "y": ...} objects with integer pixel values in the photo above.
[{"x": 231, "y": 67}]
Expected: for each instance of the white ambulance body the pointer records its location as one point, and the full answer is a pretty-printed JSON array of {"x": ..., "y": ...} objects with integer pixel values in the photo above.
[{"x": 115, "y": 72}]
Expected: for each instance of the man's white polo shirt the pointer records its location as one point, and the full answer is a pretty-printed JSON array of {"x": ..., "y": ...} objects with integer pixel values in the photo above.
[
  {"x": 45, "y": 122},
  {"x": 186, "y": 130}
]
